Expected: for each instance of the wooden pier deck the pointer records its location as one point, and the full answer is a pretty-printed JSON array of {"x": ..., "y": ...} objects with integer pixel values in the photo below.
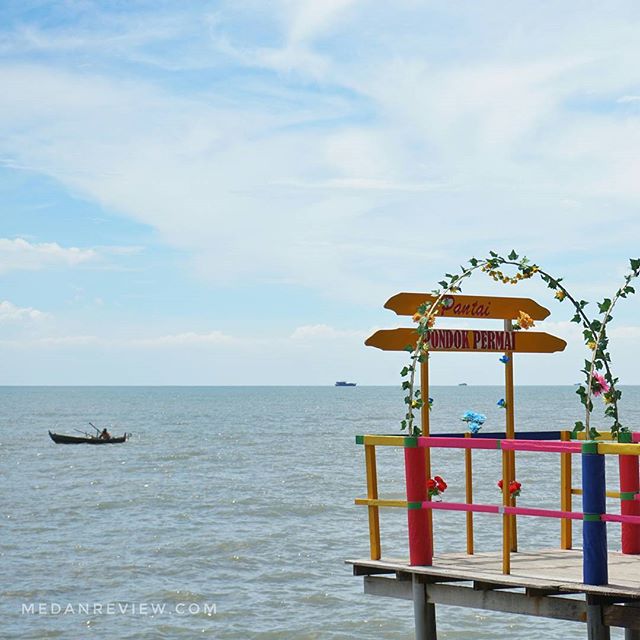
[{"x": 544, "y": 583}]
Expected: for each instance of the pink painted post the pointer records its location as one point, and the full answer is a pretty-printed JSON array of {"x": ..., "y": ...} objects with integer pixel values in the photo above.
[
  {"x": 629, "y": 506},
  {"x": 420, "y": 544}
]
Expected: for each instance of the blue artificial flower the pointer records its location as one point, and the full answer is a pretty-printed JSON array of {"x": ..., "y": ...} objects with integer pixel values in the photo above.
[
  {"x": 504, "y": 359},
  {"x": 474, "y": 427},
  {"x": 472, "y": 416},
  {"x": 474, "y": 420},
  {"x": 502, "y": 403}
]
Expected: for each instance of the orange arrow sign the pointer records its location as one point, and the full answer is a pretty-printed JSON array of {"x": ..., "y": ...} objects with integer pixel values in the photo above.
[
  {"x": 468, "y": 340},
  {"x": 457, "y": 306}
]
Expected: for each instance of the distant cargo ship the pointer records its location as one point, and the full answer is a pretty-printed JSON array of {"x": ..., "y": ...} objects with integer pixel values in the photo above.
[{"x": 342, "y": 383}]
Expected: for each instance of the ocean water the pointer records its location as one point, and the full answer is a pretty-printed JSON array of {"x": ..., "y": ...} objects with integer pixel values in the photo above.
[{"x": 242, "y": 499}]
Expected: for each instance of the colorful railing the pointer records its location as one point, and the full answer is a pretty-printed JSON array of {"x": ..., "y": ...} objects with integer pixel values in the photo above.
[{"x": 593, "y": 491}]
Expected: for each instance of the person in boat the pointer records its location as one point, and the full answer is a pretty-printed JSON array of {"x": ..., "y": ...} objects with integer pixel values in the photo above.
[{"x": 105, "y": 435}]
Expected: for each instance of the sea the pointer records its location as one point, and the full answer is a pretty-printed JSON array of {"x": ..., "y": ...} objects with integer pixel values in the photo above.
[{"x": 229, "y": 513}]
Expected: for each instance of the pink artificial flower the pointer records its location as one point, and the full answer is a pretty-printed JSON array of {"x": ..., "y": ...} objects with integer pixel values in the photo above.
[{"x": 600, "y": 384}]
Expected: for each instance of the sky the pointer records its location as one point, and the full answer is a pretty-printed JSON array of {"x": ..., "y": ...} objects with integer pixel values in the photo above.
[{"x": 226, "y": 193}]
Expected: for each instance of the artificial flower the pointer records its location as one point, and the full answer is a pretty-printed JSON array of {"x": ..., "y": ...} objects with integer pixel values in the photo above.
[
  {"x": 502, "y": 403},
  {"x": 474, "y": 420},
  {"x": 599, "y": 384},
  {"x": 504, "y": 359},
  {"x": 436, "y": 486},
  {"x": 514, "y": 487},
  {"x": 472, "y": 416},
  {"x": 560, "y": 295},
  {"x": 592, "y": 345},
  {"x": 417, "y": 317},
  {"x": 440, "y": 483},
  {"x": 524, "y": 321}
]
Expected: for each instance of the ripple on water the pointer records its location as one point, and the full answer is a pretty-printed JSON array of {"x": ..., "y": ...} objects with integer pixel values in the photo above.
[{"x": 192, "y": 508}]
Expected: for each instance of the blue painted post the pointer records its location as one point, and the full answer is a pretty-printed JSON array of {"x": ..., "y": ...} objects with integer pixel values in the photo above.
[{"x": 594, "y": 530}]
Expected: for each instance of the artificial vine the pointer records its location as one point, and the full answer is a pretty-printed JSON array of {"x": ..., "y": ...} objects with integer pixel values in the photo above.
[{"x": 594, "y": 333}]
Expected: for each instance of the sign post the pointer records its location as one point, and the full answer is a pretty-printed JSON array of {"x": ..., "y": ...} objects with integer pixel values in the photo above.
[{"x": 506, "y": 341}]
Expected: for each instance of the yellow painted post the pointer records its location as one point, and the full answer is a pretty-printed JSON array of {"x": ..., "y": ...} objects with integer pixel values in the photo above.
[
  {"x": 424, "y": 421},
  {"x": 424, "y": 392},
  {"x": 468, "y": 481},
  {"x": 372, "y": 494},
  {"x": 510, "y": 431},
  {"x": 506, "y": 519},
  {"x": 565, "y": 494}
]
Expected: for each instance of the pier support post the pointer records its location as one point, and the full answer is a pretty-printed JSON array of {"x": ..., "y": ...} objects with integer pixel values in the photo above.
[
  {"x": 629, "y": 487},
  {"x": 424, "y": 612},
  {"x": 596, "y": 629},
  {"x": 420, "y": 546},
  {"x": 631, "y": 634},
  {"x": 594, "y": 530}
]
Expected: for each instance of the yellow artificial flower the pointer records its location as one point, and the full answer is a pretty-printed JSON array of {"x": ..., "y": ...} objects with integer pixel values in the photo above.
[
  {"x": 560, "y": 295},
  {"x": 417, "y": 317},
  {"x": 525, "y": 321},
  {"x": 592, "y": 345}
]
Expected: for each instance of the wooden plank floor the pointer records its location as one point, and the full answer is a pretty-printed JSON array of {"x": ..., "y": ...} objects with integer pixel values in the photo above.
[{"x": 546, "y": 569}]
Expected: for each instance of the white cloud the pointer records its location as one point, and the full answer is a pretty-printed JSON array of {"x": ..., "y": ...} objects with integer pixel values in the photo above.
[
  {"x": 64, "y": 341},
  {"x": 9, "y": 312},
  {"x": 301, "y": 23},
  {"x": 180, "y": 340},
  {"x": 628, "y": 99},
  {"x": 188, "y": 339},
  {"x": 18, "y": 254},
  {"x": 624, "y": 332},
  {"x": 400, "y": 151},
  {"x": 313, "y": 332}
]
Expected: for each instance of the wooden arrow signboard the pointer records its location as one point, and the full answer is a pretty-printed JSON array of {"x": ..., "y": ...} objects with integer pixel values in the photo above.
[
  {"x": 457, "y": 306},
  {"x": 469, "y": 340}
]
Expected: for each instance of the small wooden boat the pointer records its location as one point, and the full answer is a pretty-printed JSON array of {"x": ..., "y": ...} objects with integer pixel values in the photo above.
[{"x": 62, "y": 439}]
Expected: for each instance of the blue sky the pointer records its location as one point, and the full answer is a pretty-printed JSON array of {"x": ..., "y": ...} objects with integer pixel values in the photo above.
[{"x": 228, "y": 192}]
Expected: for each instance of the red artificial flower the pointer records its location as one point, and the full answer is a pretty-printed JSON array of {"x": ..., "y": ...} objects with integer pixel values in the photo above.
[
  {"x": 514, "y": 487},
  {"x": 440, "y": 483},
  {"x": 435, "y": 486}
]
